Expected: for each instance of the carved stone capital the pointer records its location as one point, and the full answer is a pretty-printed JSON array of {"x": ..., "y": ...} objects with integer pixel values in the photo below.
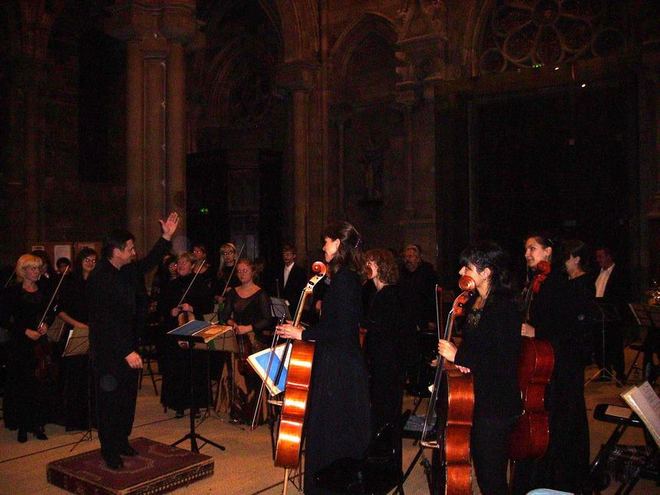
[
  {"x": 299, "y": 75},
  {"x": 153, "y": 22}
]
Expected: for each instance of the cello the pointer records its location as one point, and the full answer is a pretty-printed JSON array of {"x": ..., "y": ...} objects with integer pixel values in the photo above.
[
  {"x": 531, "y": 434},
  {"x": 298, "y": 379},
  {"x": 452, "y": 401}
]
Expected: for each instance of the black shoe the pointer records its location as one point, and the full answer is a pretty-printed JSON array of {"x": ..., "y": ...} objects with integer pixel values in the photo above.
[
  {"x": 179, "y": 414},
  {"x": 114, "y": 462},
  {"x": 40, "y": 434},
  {"x": 129, "y": 451},
  {"x": 22, "y": 436}
]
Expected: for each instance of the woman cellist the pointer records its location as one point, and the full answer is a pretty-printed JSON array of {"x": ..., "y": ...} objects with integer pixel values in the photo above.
[
  {"x": 490, "y": 351},
  {"x": 550, "y": 316},
  {"x": 337, "y": 424}
]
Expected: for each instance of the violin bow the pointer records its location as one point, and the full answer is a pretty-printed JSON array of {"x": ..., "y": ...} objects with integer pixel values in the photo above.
[
  {"x": 199, "y": 269},
  {"x": 52, "y": 298}
]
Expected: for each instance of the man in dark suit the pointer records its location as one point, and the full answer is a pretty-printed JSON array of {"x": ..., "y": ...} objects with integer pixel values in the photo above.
[
  {"x": 115, "y": 289},
  {"x": 291, "y": 278},
  {"x": 612, "y": 296}
]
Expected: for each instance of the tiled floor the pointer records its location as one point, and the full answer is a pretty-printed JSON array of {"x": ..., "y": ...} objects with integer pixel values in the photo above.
[{"x": 246, "y": 466}]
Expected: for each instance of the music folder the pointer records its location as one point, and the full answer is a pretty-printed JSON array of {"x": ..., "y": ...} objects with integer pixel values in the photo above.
[
  {"x": 199, "y": 331},
  {"x": 77, "y": 342},
  {"x": 645, "y": 402},
  {"x": 260, "y": 363}
]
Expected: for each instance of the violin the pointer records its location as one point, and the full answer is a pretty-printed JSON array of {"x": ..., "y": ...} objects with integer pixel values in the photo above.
[
  {"x": 531, "y": 434},
  {"x": 244, "y": 351},
  {"x": 46, "y": 368},
  {"x": 452, "y": 401}
]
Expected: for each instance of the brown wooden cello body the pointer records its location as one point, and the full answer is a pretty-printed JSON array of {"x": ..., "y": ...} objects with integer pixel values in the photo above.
[
  {"x": 453, "y": 402},
  {"x": 298, "y": 380},
  {"x": 531, "y": 434}
]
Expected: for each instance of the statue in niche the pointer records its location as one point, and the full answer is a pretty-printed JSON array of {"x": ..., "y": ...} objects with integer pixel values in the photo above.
[{"x": 373, "y": 160}]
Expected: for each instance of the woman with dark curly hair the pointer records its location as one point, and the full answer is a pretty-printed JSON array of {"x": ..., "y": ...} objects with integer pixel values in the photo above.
[
  {"x": 383, "y": 345},
  {"x": 337, "y": 424},
  {"x": 490, "y": 350}
]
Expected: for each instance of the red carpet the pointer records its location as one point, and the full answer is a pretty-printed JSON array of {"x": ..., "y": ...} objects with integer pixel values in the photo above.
[{"x": 158, "y": 468}]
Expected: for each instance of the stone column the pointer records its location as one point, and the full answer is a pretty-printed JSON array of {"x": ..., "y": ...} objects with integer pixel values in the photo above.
[
  {"x": 134, "y": 140},
  {"x": 32, "y": 75},
  {"x": 156, "y": 158},
  {"x": 299, "y": 78},
  {"x": 175, "y": 193}
]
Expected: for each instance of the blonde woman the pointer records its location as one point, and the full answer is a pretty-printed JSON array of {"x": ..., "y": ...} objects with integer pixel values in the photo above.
[{"x": 21, "y": 309}]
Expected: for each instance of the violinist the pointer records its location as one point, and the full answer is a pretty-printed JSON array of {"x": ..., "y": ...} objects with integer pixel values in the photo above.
[
  {"x": 383, "y": 349},
  {"x": 22, "y": 306},
  {"x": 226, "y": 276},
  {"x": 247, "y": 310},
  {"x": 489, "y": 350},
  {"x": 549, "y": 315},
  {"x": 198, "y": 301},
  {"x": 201, "y": 264},
  {"x": 74, "y": 311},
  {"x": 337, "y": 424}
]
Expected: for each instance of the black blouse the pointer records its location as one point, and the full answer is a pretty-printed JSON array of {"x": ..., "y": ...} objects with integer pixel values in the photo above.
[
  {"x": 491, "y": 349},
  {"x": 253, "y": 310}
]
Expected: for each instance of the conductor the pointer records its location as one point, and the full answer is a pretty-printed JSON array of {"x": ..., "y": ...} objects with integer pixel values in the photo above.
[{"x": 113, "y": 289}]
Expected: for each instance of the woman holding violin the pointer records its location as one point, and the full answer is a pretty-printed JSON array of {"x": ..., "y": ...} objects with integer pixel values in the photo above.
[
  {"x": 550, "y": 314},
  {"x": 247, "y": 310},
  {"x": 337, "y": 424},
  {"x": 489, "y": 350},
  {"x": 74, "y": 370},
  {"x": 27, "y": 394},
  {"x": 180, "y": 309}
]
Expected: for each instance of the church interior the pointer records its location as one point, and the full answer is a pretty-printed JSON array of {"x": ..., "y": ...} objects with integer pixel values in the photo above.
[{"x": 426, "y": 122}]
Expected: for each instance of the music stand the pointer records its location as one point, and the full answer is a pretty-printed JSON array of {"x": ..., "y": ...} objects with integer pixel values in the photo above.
[
  {"x": 608, "y": 314},
  {"x": 194, "y": 332},
  {"x": 77, "y": 344}
]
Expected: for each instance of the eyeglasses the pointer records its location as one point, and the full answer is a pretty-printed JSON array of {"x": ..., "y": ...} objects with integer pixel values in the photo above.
[{"x": 90, "y": 260}]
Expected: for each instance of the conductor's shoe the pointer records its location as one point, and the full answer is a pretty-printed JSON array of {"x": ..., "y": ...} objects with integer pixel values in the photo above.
[
  {"x": 129, "y": 451},
  {"x": 114, "y": 462},
  {"x": 39, "y": 433},
  {"x": 22, "y": 436}
]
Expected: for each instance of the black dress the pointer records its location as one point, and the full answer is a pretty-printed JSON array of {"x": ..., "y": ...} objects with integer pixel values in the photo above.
[
  {"x": 27, "y": 399},
  {"x": 74, "y": 370},
  {"x": 491, "y": 349},
  {"x": 175, "y": 362},
  {"x": 383, "y": 350},
  {"x": 337, "y": 424},
  {"x": 554, "y": 314},
  {"x": 255, "y": 311}
]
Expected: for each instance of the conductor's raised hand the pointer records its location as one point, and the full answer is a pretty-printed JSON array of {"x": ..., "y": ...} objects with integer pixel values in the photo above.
[{"x": 170, "y": 225}]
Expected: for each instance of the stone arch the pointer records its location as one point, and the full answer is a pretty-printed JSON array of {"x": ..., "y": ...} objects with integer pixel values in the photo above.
[
  {"x": 300, "y": 28},
  {"x": 368, "y": 25}
]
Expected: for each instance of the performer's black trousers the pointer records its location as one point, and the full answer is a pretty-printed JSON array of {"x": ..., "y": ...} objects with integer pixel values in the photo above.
[
  {"x": 489, "y": 445},
  {"x": 116, "y": 392}
]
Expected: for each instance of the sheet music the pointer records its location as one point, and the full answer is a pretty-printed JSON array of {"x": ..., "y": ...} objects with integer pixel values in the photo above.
[
  {"x": 618, "y": 411},
  {"x": 259, "y": 362},
  {"x": 646, "y": 403},
  {"x": 77, "y": 342}
]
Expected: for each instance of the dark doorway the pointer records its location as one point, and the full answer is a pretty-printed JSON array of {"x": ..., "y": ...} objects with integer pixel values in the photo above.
[
  {"x": 557, "y": 160},
  {"x": 206, "y": 180}
]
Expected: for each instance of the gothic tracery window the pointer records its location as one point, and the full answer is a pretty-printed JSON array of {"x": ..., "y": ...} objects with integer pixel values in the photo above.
[{"x": 536, "y": 33}]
